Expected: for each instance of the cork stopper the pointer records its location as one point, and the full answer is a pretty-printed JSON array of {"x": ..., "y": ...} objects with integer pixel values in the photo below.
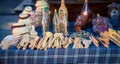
[
  {"x": 86, "y": 0},
  {"x": 55, "y": 10},
  {"x": 98, "y": 15},
  {"x": 62, "y": 0}
]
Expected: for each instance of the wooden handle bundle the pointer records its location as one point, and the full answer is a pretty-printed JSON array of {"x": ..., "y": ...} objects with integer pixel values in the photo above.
[
  {"x": 65, "y": 42},
  {"x": 119, "y": 32},
  {"x": 94, "y": 40},
  {"x": 10, "y": 40},
  {"x": 35, "y": 42},
  {"x": 44, "y": 41},
  {"x": 39, "y": 45},
  {"x": 56, "y": 44},
  {"x": 24, "y": 42},
  {"x": 113, "y": 36},
  {"x": 69, "y": 41},
  {"x": 77, "y": 43},
  {"x": 104, "y": 41},
  {"x": 49, "y": 42},
  {"x": 52, "y": 43}
]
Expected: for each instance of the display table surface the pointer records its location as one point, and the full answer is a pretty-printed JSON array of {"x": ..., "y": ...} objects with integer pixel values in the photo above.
[{"x": 91, "y": 55}]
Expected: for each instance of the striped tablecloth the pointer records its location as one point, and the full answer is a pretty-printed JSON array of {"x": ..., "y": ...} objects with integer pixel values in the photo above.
[{"x": 91, "y": 55}]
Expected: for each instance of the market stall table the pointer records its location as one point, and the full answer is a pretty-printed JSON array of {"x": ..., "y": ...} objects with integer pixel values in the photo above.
[{"x": 91, "y": 55}]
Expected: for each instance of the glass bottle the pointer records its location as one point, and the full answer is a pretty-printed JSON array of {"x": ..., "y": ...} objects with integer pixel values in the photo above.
[
  {"x": 40, "y": 5},
  {"x": 85, "y": 12},
  {"x": 56, "y": 22},
  {"x": 45, "y": 21},
  {"x": 63, "y": 23},
  {"x": 64, "y": 8},
  {"x": 82, "y": 18}
]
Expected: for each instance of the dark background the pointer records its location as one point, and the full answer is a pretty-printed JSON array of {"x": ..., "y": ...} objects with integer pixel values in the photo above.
[{"x": 74, "y": 6}]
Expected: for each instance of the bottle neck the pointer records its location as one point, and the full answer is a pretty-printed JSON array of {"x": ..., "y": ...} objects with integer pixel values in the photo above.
[
  {"x": 55, "y": 16},
  {"x": 55, "y": 12},
  {"x": 62, "y": 3},
  {"x": 86, "y": 3},
  {"x": 85, "y": 8}
]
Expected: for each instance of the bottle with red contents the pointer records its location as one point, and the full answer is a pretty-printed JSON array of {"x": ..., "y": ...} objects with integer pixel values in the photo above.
[{"x": 82, "y": 19}]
